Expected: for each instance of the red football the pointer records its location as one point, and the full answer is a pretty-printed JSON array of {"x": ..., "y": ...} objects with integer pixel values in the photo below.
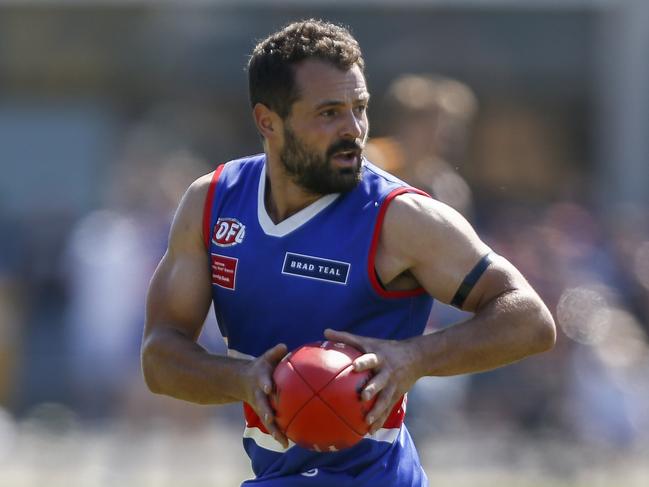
[{"x": 317, "y": 398}]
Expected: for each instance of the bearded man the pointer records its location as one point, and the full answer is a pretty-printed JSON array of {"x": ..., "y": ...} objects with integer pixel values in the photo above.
[{"x": 258, "y": 238}]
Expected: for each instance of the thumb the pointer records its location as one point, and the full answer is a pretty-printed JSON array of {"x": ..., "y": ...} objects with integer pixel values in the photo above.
[{"x": 275, "y": 354}]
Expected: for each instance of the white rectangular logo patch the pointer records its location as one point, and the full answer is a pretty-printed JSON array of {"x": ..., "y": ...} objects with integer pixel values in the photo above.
[{"x": 316, "y": 268}]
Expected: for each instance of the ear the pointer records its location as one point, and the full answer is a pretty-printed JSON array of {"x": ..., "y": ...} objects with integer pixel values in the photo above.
[{"x": 267, "y": 121}]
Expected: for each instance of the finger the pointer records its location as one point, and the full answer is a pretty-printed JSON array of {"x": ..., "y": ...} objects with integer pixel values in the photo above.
[
  {"x": 275, "y": 354},
  {"x": 344, "y": 337},
  {"x": 264, "y": 410},
  {"x": 366, "y": 361},
  {"x": 278, "y": 435},
  {"x": 267, "y": 416},
  {"x": 383, "y": 417},
  {"x": 271, "y": 358},
  {"x": 378, "y": 424},
  {"x": 265, "y": 383},
  {"x": 382, "y": 407},
  {"x": 375, "y": 385}
]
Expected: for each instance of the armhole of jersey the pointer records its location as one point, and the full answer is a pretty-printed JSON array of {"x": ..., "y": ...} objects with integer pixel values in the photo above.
[
  {"x": 376, "y": 285},
  {"x": 209, "y": 203}
]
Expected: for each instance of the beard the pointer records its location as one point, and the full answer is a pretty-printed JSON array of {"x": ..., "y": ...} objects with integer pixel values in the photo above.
[{"x": 316, "y": 173}]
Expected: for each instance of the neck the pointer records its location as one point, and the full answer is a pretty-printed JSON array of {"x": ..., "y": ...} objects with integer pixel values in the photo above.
[{"x": 283, "y": 198}]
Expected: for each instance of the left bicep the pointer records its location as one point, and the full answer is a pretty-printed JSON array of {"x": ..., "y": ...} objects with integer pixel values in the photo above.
[{"x": 440, "y": 248}]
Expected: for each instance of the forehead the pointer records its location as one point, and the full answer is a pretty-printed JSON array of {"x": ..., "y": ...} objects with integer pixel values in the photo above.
[{"x": 319, "y": 81}]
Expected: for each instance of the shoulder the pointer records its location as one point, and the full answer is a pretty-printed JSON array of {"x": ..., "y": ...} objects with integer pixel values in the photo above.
[
  {"x": 417, "y": 214},
  {"x": 430, "y": 240},
  {"x": 194, "y": 197},
  {"x": 426, "y": 224},
  {"x": 406, "y": 205},
  {"x": 411, "y": 208},
  {"x": 199, "y": 190},
  {"x": 187, "y": 225}
]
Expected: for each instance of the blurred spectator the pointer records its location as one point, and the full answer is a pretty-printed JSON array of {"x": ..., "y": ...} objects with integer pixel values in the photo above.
[
  {"x": 523, "y": 153},
  {"x": 429, "y": 118},
  {"x": 111, "y": 255}
]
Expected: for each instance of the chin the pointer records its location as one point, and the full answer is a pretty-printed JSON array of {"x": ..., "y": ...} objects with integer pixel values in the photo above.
[{"x": 348, "y": 180}]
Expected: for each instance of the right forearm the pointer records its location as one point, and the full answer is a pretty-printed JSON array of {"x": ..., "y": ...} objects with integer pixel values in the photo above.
[{"x": 176, "y": 366}]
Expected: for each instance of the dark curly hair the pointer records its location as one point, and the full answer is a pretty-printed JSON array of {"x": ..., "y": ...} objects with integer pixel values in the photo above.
[{"x": 271, "y": 76}]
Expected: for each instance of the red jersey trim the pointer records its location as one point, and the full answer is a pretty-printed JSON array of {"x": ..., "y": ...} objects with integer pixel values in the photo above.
[
  {"x": 375, "y": 243},
  {"x": 252, "y": 419},
  {"x": 398, "y": 413},
  {"x": 207, "y": 208},
  {"x": 394, "y": 420}
]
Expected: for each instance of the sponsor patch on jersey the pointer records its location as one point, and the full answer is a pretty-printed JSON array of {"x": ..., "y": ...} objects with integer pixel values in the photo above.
[
  {"x": 224, "y": 271},
  {"x": 316, "y": 268},
  {"x": 228, "y": 232}
]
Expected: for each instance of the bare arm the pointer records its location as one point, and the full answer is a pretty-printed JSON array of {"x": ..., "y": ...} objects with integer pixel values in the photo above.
[
  {"x": 177, "y": 303},
  {"x": 435, "y": 247},
  {"x": 510, "y": 321},
  {"x": 178, "y": 300}
]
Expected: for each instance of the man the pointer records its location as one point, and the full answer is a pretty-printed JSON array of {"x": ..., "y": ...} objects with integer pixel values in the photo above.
[{"x": 309, "y": 241}]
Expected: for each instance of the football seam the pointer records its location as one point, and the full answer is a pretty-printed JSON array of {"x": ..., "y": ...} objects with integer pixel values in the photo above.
[
  {"x": 317, "y": 394},
  {"x": 288, "y": 425},
  {"x": 333, "y": 410},
  {"x": 330, "y": 380}
]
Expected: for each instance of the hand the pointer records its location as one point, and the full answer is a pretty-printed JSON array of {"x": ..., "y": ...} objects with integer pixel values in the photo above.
[
  {"x": 395, "y": 371},
  {"x": 259, "y": 386}
]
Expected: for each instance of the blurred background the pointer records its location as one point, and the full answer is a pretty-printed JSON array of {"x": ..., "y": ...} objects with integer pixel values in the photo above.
[{"x": 531, "y": 117}]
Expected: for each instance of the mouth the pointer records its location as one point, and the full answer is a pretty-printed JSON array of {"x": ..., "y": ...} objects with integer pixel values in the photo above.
[{"x": 347, "y": 158}]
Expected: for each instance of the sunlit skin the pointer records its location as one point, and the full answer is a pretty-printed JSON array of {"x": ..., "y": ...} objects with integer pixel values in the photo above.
[{"x": 332, "y": 107}]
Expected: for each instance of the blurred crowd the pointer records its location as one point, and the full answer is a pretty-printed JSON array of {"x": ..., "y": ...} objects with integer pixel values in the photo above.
[{"x": 72, "y": 294}]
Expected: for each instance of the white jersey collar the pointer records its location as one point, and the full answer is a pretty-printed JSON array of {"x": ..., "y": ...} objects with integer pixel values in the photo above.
[{"x": 294, "y": 221}]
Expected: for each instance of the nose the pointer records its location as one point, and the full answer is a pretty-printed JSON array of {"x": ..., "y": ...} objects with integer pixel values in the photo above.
[{"x": 353, "y": 127}]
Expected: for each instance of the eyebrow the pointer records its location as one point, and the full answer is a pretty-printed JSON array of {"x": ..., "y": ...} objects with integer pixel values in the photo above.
[{"x": 329, "y": 103}]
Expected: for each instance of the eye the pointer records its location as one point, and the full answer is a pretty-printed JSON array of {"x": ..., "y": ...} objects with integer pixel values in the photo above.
[
  {"x": 329, "y": 113},
  {"x": 361, "y": 109}
]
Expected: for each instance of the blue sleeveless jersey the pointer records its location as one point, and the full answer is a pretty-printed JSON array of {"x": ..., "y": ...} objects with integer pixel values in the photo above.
[{"x": 287, "y": 282}]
